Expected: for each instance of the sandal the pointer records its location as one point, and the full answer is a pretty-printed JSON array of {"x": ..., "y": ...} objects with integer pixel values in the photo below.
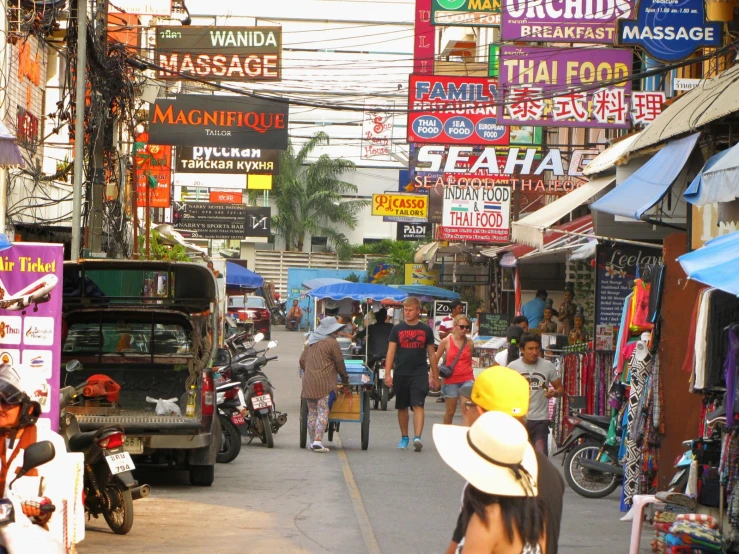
[{"x": 318, "y": 448}]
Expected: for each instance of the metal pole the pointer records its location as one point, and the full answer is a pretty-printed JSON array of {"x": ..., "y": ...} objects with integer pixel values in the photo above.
[
  {"x": 79, "y": 126},
  {"x": 135, "y": 207},
  {"x": 148, "y": 216}
]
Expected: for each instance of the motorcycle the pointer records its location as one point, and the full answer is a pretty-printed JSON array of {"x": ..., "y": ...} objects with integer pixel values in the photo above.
[
  {"x": 262, "y": 418},
  {"x": 380, "y": 394},
  {"x": 590, "y": 463},
  {"x": 231, "y": 408},
  {"x": 278, "y": 312},
  {"x": 109, "y": 487},
  {"x": 18, "y": 534}
]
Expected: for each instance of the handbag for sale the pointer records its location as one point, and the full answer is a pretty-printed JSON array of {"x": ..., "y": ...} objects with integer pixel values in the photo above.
[{"x": 445, "y": 371}]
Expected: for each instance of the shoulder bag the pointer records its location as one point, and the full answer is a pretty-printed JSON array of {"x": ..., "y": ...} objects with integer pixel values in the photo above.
[{"x": 445, "y": 371}]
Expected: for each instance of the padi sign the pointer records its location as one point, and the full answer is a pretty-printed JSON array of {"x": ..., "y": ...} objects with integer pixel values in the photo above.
[{"x": 669, "y": 30}]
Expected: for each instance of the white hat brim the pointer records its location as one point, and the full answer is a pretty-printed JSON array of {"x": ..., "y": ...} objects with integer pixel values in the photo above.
[{"x": 451, "y": 443}]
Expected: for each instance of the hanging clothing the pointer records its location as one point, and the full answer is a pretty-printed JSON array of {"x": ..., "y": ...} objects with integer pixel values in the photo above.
[
  {"x": 730, "y": 368},
  {"x": 701, "y": 341}
]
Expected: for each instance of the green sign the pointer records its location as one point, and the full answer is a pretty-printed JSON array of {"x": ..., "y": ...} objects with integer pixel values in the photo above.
[
  {"x": 493, "y": 60},
  {"x": 493, "y": 325},
  {"x": 466, "y": 13},
  {"x": 525, "y": 135}
]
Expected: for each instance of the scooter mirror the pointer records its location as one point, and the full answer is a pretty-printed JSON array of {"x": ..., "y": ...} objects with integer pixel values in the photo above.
[
  {"x": 73, "y": 365},
  {"x": 272, "y": 344},
  {"x": 259, "y": 337},
  {"x": 37, "y": 454}
]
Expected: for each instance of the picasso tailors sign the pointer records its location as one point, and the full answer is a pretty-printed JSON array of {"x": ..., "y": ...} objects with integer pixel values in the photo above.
[
  {"x": 469, "y": 13},
  {"x": 210, "y": 159},
  {"x": 219, "y": 53},
  {"x": 589, "y": 21},
  {"x": 543, "y": 86},
  {"x": 232, "y": 121},
  {"x": 476, "y": 215},
  {"x": 669, "y": 30},
  {"x": 408, "y": 205},
  {"x": 454, "y": 110}
]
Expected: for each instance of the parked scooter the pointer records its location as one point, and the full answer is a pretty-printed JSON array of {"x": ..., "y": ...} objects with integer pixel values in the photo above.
[
  {"x": 262, "y": 418},
  {"x": 591, "y": 465},
  {"x": 18, "y": 534},
  {"x": 231, "y": 408},
  {"x": 109, "y": 485},
  {"x": 380, "y": 394}
]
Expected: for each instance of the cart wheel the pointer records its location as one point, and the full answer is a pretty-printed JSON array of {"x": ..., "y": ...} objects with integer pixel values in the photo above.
[
  {"x": 385, "y": 397},
  {"x": 366, "y": 423},
  {"x": 376, "y": 400},
  {"x": 303, "y": 422},
  {"x": 331, "y": 430}
]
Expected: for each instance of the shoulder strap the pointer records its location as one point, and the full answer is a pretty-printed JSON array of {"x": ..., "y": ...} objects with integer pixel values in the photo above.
[{"x": 459, "y": 352}]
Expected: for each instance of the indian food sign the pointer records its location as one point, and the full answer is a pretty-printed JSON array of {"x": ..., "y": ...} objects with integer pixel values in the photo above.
[
  {"x": 476, "y": 215},
  {"x": 584, "y": 21},
  {"x": 219, "y": 53}
]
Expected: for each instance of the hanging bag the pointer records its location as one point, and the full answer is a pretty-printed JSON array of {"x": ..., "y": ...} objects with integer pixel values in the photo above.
[{"x": 445, "y": 371}]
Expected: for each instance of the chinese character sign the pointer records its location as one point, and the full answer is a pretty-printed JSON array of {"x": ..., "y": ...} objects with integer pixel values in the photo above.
[
  {"x": 579, "y": 87},
  {"x": 31, "y": 319},
  {"x": 377, "y": 131}
]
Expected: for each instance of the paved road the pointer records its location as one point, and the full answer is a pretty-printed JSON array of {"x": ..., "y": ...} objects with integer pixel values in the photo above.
[{"x": 382, "y": 500}]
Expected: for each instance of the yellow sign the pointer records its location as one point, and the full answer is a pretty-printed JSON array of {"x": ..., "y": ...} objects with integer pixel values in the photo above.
[
  {"x": 259, "y": 182},
  {"x": 417, "y": 274},
  {"x": 406, "y": 205}
]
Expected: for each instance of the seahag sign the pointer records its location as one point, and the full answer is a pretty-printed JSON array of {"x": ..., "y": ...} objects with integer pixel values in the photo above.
[
  {"x": 220, "y": 53},
  {"x": 233, "y": 121},
  {"x": 210, "y": 159}
]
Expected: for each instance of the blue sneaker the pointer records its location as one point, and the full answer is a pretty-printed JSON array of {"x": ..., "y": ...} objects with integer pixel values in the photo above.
[
  {"x": 403, "y": 442},
  {"x": 417, "y": 444}
]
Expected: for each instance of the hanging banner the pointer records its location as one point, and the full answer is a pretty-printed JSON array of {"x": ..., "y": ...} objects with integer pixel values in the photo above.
[
  {"x": 539, "y": 86},
  {"x": 481, "y": 215},
  {"x": 402, "y": 205},
  {"x": 669, "y": 31},
  {"x": 208, "y": 159},
  {"x": 377, "y": 131},
  {"x": 412, "y": 231},
  {"x": 454, "y": 110},
  {"x": 233, "y": 121},
  {"x": 212, "y": 221},
  {"x": 424, "y": 39},
  {"x": 562, "y": 20},
  {"x": 162, "y": 8},
  {"x": 418, "y": 274},
  {"x": 153, "y": 162},
  {"x": 467, "y": 13},
  {"x": 31, "y": 320},
  {"x": 219, "y": 53}
]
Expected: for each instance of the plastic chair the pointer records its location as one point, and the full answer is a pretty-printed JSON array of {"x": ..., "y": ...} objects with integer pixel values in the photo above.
[{"x": 639, "y": 503}]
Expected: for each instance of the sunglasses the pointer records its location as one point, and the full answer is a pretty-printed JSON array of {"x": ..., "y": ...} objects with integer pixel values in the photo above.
[{"x": 463, "y": 326}]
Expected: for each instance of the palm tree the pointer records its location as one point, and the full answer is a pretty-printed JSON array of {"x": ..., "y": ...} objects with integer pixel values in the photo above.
[{"x": 310, "y": 197}]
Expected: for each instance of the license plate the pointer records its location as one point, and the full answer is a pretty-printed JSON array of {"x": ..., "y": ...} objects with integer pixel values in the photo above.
[
  {"x": 382, "y": 373},
  {"x": 120, "y": 462},
  {"x": 263, "y": 401},
  {"x": 237, "y": 419},
  {"x": 134, "y": 445}
]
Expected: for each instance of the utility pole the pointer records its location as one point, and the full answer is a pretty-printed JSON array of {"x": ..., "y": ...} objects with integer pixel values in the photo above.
[
  {"x": 97, "y": 181},
  {"x": 79, "y": 126}
]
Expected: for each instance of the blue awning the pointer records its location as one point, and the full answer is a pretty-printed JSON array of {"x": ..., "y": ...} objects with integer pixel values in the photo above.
[
  {"x": 322, "y": 281},
  {"x": 716, "y": 264},
  {"x": 428, "y": 291},
  {"x": 718, "y": 181},
  {"x": 357, "y": 291},
  {"x": 238, "y": 276},
  {"x": 650, "y": 183}
]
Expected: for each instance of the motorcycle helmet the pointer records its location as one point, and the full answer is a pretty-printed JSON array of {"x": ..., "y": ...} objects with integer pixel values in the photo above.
[{"x": 11, "y": 392}]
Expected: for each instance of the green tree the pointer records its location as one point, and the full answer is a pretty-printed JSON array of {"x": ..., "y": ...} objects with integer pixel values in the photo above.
[
  {"x": 391, "y": 252},
  {"x": 310, "y": 197}
]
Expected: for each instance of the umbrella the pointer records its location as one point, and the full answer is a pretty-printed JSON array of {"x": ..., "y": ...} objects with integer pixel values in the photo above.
[
  {"x": 322, "y": 281},
  {"x": 428, "y": 291},
  {"x": 357, "y": 291},
  {"x": 716, "y": 264},
  {"x": 239, "y": 276}
]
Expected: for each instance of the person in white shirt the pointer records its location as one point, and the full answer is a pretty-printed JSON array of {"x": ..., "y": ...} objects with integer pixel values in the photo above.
[{"x": 513, "y": 335}]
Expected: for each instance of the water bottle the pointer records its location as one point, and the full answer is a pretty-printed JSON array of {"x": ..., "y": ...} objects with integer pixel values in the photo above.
[{"x": 191, "y": 396}]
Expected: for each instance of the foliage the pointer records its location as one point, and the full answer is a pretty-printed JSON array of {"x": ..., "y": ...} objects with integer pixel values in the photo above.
[
  {"x": 469, "y": 295},
  {"x": 352, "y": 278},
  {"x": 391, "y": 252},
  {"x": 159, "y": 251},
  {"x": 310, "y": 197}
]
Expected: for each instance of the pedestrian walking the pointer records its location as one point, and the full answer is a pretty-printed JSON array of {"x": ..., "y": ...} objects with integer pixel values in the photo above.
[
  {"x": 458, "y": 349},
  {"x": 513, "y": 335},
  {"x": 500, "y": 389},
  {"x": 320, "y": 363},
  {"x": 445, "y": 329},
  {"x": 410, "y": 343},
  {"x": 540, "y": 373},
  {"x": 501, "y": 508}
]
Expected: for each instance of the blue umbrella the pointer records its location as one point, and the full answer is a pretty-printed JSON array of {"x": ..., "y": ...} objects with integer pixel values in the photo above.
[
  {"x": 238, "y": 276},
  {"x": 428, "y": 291},
  {"x": 322, "y": 281},
  {"x": 716, "y": 264},
  {"x": 358, "y": 292}
]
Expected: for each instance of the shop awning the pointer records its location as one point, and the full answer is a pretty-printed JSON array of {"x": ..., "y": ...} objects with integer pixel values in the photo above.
[
  {"x": 712, "y": 99},
  {"x": 532, "y": 229},
  {"x": 650, "y": 183},
  {"x": 428, "y": 291},
  {"x": 321, "y": 281},
  {"x": 716, "y": 264},
  {"x": 610, "y": 156},
  {"x": 554, "y": 243},
  {"x": 718, "y": 181},
  {"x": 238, "y": 276}
]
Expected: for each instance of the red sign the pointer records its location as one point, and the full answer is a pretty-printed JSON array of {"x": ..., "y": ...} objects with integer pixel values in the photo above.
[
  {"x": 424, "y": 44},
  {"x": 153, "y": 161},
  {"x": 454, "y": 110},
  {"x": 223, "y": 197}
]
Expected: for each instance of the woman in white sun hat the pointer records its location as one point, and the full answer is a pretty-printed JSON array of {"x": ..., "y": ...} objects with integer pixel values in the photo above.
[{"x": 501, "y": 501}]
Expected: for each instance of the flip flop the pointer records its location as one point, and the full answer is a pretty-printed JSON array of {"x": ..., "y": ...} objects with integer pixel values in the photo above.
[{"x": 317, "y": 448}]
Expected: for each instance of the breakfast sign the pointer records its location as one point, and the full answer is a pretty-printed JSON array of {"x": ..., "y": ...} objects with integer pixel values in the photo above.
[{"x": 31, "y": 319}]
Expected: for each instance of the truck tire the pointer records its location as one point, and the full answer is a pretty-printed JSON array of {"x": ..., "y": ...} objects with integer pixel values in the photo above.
[
  {"x": 230, "y": 442},
  {"x": 202, "y": 476}
]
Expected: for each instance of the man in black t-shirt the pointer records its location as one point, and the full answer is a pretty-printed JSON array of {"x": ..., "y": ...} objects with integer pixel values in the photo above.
[
  {"x": 377, "y": 337},
  {"x": 411, "y": 342}
]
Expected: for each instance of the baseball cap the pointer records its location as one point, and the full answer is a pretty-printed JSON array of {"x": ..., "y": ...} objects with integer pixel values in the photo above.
[{"x": 499, "y": 389}]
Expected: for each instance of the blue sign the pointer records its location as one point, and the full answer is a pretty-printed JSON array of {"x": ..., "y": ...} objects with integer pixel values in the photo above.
[{"x": 669, "y": 30}]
